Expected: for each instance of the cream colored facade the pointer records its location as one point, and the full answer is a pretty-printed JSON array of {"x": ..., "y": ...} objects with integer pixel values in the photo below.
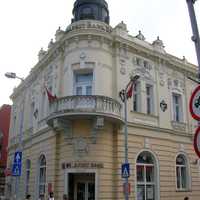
[{"x": 82, "y": 137}]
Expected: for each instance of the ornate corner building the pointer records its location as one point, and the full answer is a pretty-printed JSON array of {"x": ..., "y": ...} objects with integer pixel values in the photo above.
[
  {"x": 5, "y": 112},
  {"x": 74, "y": 145}
]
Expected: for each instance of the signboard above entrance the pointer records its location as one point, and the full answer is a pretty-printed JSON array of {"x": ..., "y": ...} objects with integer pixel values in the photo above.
[{"x": 87, "y": 165}]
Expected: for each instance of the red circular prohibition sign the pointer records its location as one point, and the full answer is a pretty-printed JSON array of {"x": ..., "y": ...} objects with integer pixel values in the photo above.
[
  {"x": 194, "y": 115},
  {"x": 197, "y": 141}
]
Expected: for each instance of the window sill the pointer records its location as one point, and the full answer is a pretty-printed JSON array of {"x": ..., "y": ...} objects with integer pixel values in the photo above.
[
  {"x": 180, "y": 126},
  {"x": 144, "y": 118},
  {"x": 144, "y": 114},
  {"x": 183, "y": 190}
]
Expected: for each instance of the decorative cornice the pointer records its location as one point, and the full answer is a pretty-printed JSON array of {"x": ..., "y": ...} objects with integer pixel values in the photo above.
[
  {"x": 159, "y": 130},
  {"x": 95, "y": 30}
]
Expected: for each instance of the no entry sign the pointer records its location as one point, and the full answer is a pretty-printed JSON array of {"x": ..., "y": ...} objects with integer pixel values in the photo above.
[
  {"x": 195, "y": 103},
  {"x": 197, "y": 142}
]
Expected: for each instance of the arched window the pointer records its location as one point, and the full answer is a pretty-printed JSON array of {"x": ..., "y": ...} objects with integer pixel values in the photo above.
[
  {"x": 182, "y": 174},
  {"x": 28, "y": 172},
  {"x": 147, "y": 172},
  {"x": 42, "y": 175}
]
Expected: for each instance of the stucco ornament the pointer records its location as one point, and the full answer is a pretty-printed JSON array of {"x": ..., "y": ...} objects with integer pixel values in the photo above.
[
  {"x": 163, "y": 105},
  {"x": 82, "y": 60},
  {"x": 123, "y": 66},
  {"x": 81, "y": 147}
]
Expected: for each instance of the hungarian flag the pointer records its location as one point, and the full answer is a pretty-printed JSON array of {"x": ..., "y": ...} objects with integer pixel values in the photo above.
[
  {"x": 51, "y": 97},
  {"x": 130, "y": 90}
]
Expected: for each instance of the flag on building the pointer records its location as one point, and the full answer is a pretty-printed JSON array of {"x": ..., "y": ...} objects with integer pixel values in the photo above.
[
  {"x": 51, "y": 97},
  {"x": 129, "y": 93}
]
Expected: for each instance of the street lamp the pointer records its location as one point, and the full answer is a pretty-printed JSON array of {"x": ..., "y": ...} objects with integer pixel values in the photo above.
[
  {"x": 14, "y": 76},
  {"x": 124, "y": 95},
  {"x": 195, "y": 37}
]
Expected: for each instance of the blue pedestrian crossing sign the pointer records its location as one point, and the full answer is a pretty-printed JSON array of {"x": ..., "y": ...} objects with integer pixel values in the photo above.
[
  {"x": 125, "y": 170},
  {"x": 17, "y": 164}
]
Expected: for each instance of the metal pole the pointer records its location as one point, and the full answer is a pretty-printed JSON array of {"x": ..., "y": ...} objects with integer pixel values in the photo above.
[
  {"x": 20, "y": 147},
  {"x": 126, "y": 143},
  {"x": 195, "y": 37}
]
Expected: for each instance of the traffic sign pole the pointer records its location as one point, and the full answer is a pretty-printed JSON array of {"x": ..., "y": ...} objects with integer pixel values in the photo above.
[
  {"x": 123, "y": 96},
  {"x": 126, "y": 143}
]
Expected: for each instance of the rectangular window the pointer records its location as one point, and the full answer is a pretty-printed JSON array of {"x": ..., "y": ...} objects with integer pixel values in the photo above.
[
  {"x": 149, "y": 99},
  {"x": 136, "y": 97},
  {"x": 177, "y": 108},
  {"x": 83, "y": 83}
]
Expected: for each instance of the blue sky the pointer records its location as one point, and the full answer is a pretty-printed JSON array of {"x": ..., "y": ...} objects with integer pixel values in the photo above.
[{"x": 26, "y": 26}]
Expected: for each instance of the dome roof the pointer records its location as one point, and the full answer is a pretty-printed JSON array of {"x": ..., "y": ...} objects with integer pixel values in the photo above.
[{"x": 92, "y": 10}]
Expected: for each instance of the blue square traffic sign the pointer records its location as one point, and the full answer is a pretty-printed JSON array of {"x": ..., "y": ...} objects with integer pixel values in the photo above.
[
  {"x": 18, "y": 157},
  {"x": 17, "y": 164},
  {"x": 125, "y": 170},
  {"x": 16, "y": 170}
]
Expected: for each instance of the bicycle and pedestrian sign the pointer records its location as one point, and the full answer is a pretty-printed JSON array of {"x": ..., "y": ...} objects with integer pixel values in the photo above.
[
  {"x": 17, "y": 164},
  {"x": 195, "y": 103}
]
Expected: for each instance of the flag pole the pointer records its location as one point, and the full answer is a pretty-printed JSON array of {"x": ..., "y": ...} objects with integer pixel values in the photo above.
[{"x": 124, "y": 98}]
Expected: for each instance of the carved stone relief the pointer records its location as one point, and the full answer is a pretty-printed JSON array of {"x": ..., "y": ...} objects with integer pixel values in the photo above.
[
  {"x": 176, "y": 84},
  {"x": 81, "y": 147},
  {"x": 143, "y": 68},
  {"x": 122, "y": 66},
  {"x": 162, "y": 72}
]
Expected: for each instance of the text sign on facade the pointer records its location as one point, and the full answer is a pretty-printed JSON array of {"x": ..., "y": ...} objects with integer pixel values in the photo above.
[
  {"x": 87, "y": 165},
  {"x": 125, "y": 170},
  {"x": 17, "y": 164},
  {"x": 197, "y": 142},
  {"x": 195, "y": 103}
]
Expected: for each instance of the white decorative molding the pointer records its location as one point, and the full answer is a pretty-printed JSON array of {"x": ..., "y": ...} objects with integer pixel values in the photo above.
[
  {"x": 147, "y": 143},
  {"x": 182, "y": 148},
  {"x": 123, "y": 70}
]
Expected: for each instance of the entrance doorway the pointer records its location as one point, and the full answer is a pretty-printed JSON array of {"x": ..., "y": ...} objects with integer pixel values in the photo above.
[{"x": 81, "y": 186}]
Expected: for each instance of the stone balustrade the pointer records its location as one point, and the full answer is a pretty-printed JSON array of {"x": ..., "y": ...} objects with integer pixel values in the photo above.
[{"x": 85, "y": 105}]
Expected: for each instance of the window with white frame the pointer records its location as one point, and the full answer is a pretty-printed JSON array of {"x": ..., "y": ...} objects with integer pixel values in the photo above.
[
  {"x": 28, "y": 172},
  {"x": 149, "y": 99},
  {"x": 177, "y": 107},
  {"x": 42, "y": 176},
  {"x": 146, "y": 170},
  {"x": 136, "y": 97},
  {"x": 83, "y": 83},
  {"x": 182, "y": 176}
]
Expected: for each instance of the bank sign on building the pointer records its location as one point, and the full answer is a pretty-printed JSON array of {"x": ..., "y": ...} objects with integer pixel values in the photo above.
[{"x": 73, "y": 143}]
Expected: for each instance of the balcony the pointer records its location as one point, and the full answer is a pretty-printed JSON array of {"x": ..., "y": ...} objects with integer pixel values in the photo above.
[{"x": 73, "y": 107}]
